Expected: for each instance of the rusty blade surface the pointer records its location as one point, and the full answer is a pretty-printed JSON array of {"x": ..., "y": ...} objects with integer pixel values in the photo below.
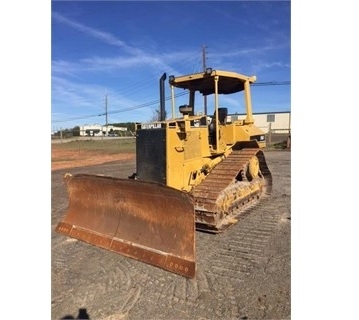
[{"x": 143, "y": 220}]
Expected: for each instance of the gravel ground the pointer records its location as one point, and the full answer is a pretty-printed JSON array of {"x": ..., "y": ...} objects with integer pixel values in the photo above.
[{"x": 243, "y": 273}]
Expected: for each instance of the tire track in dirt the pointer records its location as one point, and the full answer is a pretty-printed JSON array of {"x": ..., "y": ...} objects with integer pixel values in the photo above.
[
  {"x": 114, "y": 291},
  {"x": 244, "y": 245}
]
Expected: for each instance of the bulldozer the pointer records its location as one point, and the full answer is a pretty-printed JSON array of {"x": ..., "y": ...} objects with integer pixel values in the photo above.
[{"x": 194, "y": 172}]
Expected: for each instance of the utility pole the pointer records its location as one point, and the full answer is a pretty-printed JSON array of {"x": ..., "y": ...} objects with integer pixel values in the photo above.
[
  {"x": 106, "y": 116},
  {"x": 204, "y": 69}
]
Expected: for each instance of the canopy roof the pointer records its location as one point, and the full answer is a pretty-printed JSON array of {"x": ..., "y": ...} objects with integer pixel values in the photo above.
[{"x": 228, "y": 82}]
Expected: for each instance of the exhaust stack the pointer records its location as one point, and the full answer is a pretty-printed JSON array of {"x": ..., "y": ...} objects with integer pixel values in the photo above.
[{"x": 162, "y": 97}]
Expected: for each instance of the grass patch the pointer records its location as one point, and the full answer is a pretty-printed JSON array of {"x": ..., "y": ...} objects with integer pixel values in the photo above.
[{"x": 105, "y": 146}]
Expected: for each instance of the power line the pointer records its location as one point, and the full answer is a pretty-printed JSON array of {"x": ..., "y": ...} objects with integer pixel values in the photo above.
[
  {"x": 148, "y": 104},
  {"x": 271, "y": 83}
]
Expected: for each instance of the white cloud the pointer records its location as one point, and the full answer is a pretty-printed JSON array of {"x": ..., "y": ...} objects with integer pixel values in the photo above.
[{"x": 100, "y": 35}]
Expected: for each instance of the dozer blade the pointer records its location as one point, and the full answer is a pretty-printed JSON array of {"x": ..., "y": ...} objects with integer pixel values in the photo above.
[{"x": 143, "y": 220}]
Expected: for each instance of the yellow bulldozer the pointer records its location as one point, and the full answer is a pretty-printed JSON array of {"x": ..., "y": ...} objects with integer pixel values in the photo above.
[{"x": 193, "y": 172}]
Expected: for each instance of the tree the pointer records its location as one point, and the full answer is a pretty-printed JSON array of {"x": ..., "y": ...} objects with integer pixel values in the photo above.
[
  {"x": 156, "y": 116},
  {"x": 76, "y": 131}
]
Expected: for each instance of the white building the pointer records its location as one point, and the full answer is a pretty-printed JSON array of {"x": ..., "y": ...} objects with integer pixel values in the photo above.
[
  {"x": 97, "y": 130},
  {"x": 274, "y": 122}
]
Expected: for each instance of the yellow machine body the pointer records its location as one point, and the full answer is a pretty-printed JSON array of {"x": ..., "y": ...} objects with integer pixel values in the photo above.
[{"x": 196, "y": 171}]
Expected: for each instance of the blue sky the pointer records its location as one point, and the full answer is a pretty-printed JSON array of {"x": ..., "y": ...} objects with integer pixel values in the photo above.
[{"x": 119, "y": 50}]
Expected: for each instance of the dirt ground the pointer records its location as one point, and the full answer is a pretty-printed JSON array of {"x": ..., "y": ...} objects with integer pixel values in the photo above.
[
  {"x": 65, "y": 159},
  {"x": 243, "y": 273}
]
